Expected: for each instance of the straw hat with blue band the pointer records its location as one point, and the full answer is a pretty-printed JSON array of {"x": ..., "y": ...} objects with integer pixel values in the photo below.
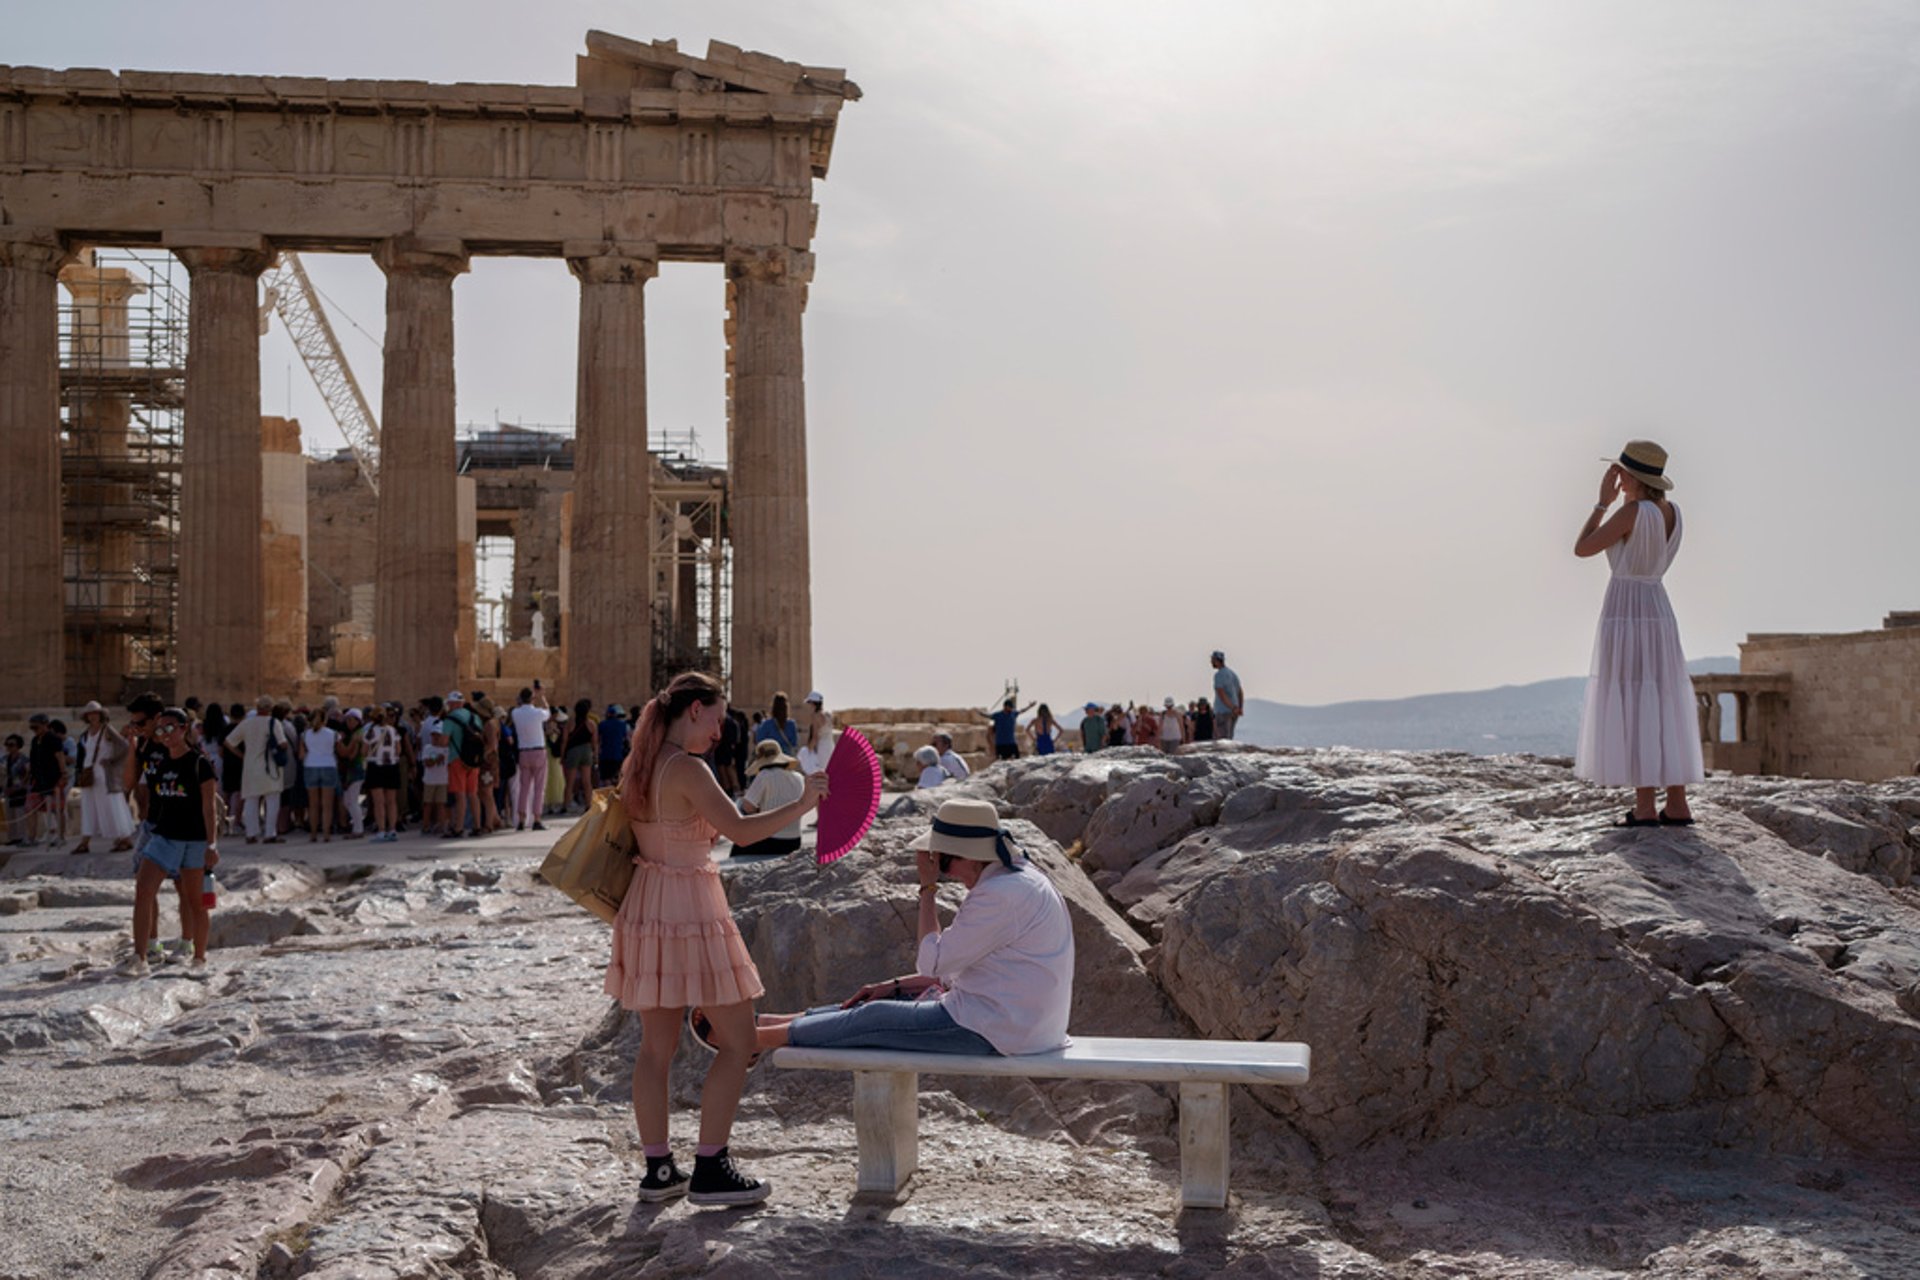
[
  {"x": 1646, "y": 462},
  {"x": 969, "y": 829}
]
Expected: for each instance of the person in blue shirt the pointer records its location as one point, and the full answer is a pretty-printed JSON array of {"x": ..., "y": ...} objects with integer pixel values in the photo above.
[
  {"x": 615, "y": 735},
  {"x": 1229, "y": 702},
  {"x": 779, "y": 727},
  {"x": 1006, "y": 729}
]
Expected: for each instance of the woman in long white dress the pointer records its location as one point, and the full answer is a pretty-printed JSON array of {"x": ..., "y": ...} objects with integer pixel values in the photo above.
[
  {"x": 1641, "y": 725},
  {"x": 103, "y": 800}
]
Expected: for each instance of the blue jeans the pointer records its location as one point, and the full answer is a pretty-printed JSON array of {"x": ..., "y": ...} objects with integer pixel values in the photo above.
[{"x": 918, "y": 1026}]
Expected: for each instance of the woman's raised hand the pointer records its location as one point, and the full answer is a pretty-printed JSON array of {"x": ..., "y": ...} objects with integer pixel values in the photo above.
[
  {"x": 816, "y": 789},
  {"x": 1610, "y": 485}
]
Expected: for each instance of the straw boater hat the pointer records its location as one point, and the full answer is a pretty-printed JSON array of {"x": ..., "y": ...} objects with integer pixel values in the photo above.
[
  {"x": 1646, "y": 462},
  {"x": 968, "y": 829},
  {"x": 768, "y": 755}
]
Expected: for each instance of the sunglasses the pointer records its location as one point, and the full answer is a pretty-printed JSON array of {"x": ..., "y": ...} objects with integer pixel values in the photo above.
[{"x": 166, "y": 730}]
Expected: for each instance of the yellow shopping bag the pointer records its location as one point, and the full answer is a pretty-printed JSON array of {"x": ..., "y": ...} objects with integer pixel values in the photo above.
[{"x": 592, "y": 863}]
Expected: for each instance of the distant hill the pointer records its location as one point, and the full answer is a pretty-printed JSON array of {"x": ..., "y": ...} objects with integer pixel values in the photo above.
[{"x": 1542, "y": 718}]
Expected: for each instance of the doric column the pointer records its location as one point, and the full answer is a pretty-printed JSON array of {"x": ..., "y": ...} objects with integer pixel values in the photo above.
[
  {"x": 221, "y": 628},
  {"x": 772, "y": 580},
  {"x": 416, "y": 604},
  {"x": 32, "y": 600},
  {"x": 610, "y": 646},
  {"x": 283, "y": 548}
]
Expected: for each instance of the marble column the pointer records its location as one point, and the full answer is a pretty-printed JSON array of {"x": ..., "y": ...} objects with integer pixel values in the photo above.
[
  {"x": 32, "y": 598},
  {"x": 416, "y": 582},
  {"x": 220, "y": 631},
  {"x": 772, "y": 580},
  {"x": 283, "y": 549},
  {"x": 610, "y": 631}
]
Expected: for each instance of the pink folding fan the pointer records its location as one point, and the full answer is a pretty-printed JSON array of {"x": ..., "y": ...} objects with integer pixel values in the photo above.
[{"x": 853, "y": 795}]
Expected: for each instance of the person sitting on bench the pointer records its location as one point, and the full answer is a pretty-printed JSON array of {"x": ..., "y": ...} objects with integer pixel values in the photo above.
[{"x": 999, "y": 979}]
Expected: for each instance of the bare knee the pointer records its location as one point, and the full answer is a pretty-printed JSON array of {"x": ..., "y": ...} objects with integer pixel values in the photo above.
[{"x": 654, "y": 1059}]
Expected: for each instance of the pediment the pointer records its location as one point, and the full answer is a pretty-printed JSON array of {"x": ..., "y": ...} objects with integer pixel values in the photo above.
[{"x": 616, "y": 63}]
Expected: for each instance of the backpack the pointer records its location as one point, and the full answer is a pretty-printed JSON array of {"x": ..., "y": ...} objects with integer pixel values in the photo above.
[{"x": 473, "y": 743}]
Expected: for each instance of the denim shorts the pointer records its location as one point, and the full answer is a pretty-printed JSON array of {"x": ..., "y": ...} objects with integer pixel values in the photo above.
[
  {"x": 918, "y": 1026},
  {"x": 322, "y": 775},
  {"x": 175, "y": 856}
]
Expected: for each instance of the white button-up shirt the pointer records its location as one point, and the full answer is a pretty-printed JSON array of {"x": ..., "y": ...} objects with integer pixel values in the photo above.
[{"x": 1006, "y": 961}]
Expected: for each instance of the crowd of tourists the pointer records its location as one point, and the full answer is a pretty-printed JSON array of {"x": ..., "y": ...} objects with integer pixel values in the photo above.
[
  {"x": 1120, "y": 724},
  {"x": 458, "y": 766}
]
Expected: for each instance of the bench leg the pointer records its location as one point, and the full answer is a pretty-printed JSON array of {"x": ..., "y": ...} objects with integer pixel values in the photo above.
[
  {"x": 1203, "y": 1146},
  {"x": 886, "y": 1123}
]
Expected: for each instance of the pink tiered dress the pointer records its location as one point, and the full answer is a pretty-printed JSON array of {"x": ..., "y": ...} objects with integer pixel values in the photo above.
[{"x": 674, "y": 941}]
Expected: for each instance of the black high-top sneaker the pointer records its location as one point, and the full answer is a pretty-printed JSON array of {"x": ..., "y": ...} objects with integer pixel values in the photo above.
[
  {"x": 664, "y": 1180},
  {"x": 717, "y": 1180}
]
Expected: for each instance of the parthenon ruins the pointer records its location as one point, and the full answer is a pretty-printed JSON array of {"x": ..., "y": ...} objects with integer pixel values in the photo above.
[{"x": 651, "y": 155}]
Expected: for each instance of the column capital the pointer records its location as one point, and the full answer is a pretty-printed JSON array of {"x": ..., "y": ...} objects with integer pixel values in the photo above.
[
  {"x": 31, "y": 249},
  {"x": 612, "y": 261},
  {"x": 421, "y": 256},
  {"x": 235, "y": 251},
  {"x": 770, "y": 266}
]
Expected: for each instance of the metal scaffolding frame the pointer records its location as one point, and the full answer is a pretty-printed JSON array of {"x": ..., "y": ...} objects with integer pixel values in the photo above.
[
  {"x": 692, "y": 556},
  {"x": 692, "y": 561},
  {"x": 122, "y": 402}
]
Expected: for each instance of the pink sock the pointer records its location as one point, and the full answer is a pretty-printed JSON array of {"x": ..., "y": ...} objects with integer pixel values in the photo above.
[
  {"x": 710, "y": 1148},
  {"x": 657, "y": 1150}
]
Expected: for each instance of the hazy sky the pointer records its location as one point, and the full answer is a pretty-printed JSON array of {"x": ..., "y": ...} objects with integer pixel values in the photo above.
[{"x": 1291, "y": 328}]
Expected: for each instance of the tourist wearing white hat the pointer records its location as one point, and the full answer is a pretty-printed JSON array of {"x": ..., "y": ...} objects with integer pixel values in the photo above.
[
  {"x": 999, "y": 979},
  {"x": 816, "y": 734},
  {"x": 101, "y": 778},
  {"x": 772, "y": 784}
]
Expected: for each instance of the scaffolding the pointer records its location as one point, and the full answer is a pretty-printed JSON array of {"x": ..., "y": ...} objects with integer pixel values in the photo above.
[
  {"x": 692, "y": 561},
  {"x": 123, "y": 355}
]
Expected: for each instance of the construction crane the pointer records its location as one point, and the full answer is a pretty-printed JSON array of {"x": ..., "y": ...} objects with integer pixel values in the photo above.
[{"x": 288, "y": 293}]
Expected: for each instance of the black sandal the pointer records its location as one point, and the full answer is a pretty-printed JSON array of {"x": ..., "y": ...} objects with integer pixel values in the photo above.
[
  {"x": 1666, "y": 821},
  {"x": 1631, "y": 821}
]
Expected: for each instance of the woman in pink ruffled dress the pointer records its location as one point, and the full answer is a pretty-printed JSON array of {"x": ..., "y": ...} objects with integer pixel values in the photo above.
[{"x": 675, "y": 945}]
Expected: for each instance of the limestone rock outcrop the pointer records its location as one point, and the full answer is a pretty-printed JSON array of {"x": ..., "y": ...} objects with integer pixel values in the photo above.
[
  {"x": 1474, "y": 951},
  {"x": 1543, "y": 1047}
]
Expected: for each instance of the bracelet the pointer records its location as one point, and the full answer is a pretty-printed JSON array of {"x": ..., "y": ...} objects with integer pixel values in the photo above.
[
  {"x": 1601, "y": 506},
  {"x": 929, "y": 888}
]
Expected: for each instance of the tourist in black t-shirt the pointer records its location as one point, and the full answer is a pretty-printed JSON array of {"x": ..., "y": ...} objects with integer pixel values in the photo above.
[
  {"x": 46, "y": 774},
  {"x": 180, "y": 795}
]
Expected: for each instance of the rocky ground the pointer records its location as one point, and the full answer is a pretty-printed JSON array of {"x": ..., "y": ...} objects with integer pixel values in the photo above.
[{"x": 1542, "y": 1047}]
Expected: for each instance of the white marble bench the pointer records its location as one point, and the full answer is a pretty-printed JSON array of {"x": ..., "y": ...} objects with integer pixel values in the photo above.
[{"x": 886, "y": 1086}]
